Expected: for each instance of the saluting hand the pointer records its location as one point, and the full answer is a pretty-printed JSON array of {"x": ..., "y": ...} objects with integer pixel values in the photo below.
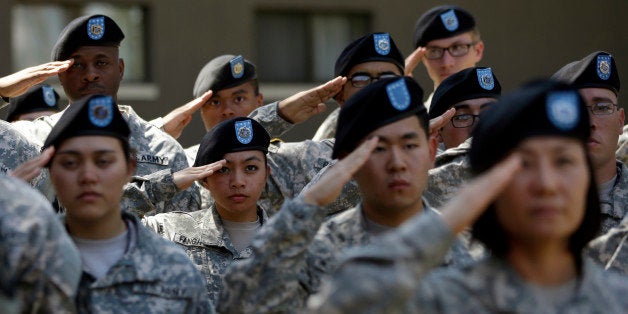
[
  {"x": 413, "y": 60},
  {"x": 183, "y": 179},
  {"x": 18, "y": 83},
  {"x": 179, "y": 118},
  {"x": 301, "y": 106},
  {"x": 440, "y": 121},
  {"x": 30, "y": 169},
  {"x": 328, "y": 188}
]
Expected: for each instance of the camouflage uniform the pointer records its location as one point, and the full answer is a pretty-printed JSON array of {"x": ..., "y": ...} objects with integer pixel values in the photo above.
[
  {"x": 291, "y": 258},
  {"x": 613, "y": 206},
  {"x": 451, "y": 170},
  {"x": 15, "y": 149},
  {"x": 153, "y": 276},
  {"x": 622, "y": 146},
  {"x": 40, "y": 264},
  {"x": 156, "y": 151},
  {"x": 327, "y": 129},
  {"x": 611, "y": 249},
  {"x": 205, "y": 240}
]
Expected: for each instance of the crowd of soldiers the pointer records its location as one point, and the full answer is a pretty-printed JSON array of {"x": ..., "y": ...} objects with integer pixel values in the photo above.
[{"x": 469, "y": 201}]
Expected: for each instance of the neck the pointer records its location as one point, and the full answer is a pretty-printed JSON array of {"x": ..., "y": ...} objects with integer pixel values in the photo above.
[
  {"x": 549, "y": 264},
  {"x": 248, "y": 215},
  {"x": 605, "y": 172},
  {"x": 391, "y": 217},
  {"x": 105, "y": 228}
]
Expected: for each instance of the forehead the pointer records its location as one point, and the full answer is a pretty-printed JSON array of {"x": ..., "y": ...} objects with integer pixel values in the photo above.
[
  {"x": 95, "y": 51},
  {"x": 88, "y": 143},
  {"x": 246, "y": 87},
  {"x": 597, "y": 94},
  {"x": 548, "y": 144},
  {"x": 475, "y": 103},
  {"x": 374, "y": 67},
  {"x": 243, "y": 156},
  {"x": 463, "y": 38},
  {"x": 400, "y": 128}
]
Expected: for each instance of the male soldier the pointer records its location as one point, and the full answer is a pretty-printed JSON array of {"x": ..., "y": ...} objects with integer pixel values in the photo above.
[
  {"x": 215, "y": 237},
  {"x": 291, "y": 255},
  {"x": 446, "y": 41},
  {"x": 41, "y": 266},
  {"x": 92, "y": 42},
  {"x": 380, "y": 58},
  {"x": 597, "y": 79},
  {"x": 38, "y": 101}
]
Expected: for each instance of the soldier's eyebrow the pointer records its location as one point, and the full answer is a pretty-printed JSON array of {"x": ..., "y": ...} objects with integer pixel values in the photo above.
[{"x": 405, "y": 136}]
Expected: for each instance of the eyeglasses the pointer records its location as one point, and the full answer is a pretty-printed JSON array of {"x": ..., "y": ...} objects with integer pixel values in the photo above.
[
  {"x": 603, "y": 108},
  {"x": 458, "y": 50},
  {"x": 361, "y": 80},
  {"x": 464, "y": 120}
]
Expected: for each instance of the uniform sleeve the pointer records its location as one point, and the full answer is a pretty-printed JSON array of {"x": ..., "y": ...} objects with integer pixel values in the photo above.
[
  {"x": 394, "y": 263},
  {"x": 611, "y": 249},
  {"x": 271, "y": 280},
  {"x": 622, "y": 146},
  {"x": 327, "y": 129},
  {"x": 269, "y": 118}
]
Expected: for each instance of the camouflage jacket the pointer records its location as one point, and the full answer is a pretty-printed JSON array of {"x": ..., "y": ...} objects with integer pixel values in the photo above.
[
  {"x": 622, "y": 146},
  {"x": 15, "y": 149},
  {"x": 40, "y": 264},
  {"x": 155, "y": 150},
  {"x": 614, "y": 210},
  {"x": 451, "y": 170},
  {"x": 291, "y": 258},
  {"x": 611, "y": 249},
  {"x": 153, "y": 276},
  {"x": 327, "y": 129},
  {"x": 205, "y": 240}
]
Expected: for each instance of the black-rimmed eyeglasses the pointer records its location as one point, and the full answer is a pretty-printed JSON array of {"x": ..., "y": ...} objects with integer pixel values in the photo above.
[
  {"x": 464, "y": 120},
  {"x": 458, "y": 50},
  {"x": 361, "y": 80}
]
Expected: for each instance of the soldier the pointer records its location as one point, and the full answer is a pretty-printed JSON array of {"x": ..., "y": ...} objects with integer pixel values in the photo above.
[
  {"x": 40, "y": 263},
  {"x": 543, "y": 210},
  {"x": 291, "y": 256},
  {"x": 235, "y": 152},
  {"x": 447, "y": 41},
  {"x": 92, "y": 43},
  {"x": 597, "y": 79},
  {"x": 125, "y": 266},
  {"x": 38, "y": 101},
  {"x": 363, "y": 61}
]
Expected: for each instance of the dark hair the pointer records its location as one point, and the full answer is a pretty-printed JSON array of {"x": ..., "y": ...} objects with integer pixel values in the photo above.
[{"x": 488, "y": 230}]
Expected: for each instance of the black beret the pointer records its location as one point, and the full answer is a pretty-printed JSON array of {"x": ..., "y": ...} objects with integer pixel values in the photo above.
[
  {"x": 374, "y": 106},
  {"x": 539, "y": 108},
  {"x": 440, "y": 22},
  {"x": 595, "y": 70},
  {"x": 224, "y": 72},
  {"x": 471, "y": 83},
  {"x": 95, "y": 30},
  {"x": 38, "y": 98},
  {"x": 234, "y": 135},
  {"x": 372, "y": 47},
  {"x": 90, "y": 115}
]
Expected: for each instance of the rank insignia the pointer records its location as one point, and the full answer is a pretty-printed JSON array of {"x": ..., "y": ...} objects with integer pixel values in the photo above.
[
  {"x": 96, "y": 27},
  {"x": 485, "y": 78},
  {"x": 398, "y": 94},
  {"x": 382, "y": 43},
  {"x": 49, "y": 95},
  {"x": 237, "y": 67},
  {"x": 450, "y": 20},
  {"x": 244, "y": 131},
  {"x": 101, "y": 111},
  {"x": 562, "y": 109},
  {"x": 604, "y": 66}
]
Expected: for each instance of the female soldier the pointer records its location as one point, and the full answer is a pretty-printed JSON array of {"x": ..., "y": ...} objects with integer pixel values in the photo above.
[
  {"x": 541, "y": 215},
  {"x": 126, "y": 268}
]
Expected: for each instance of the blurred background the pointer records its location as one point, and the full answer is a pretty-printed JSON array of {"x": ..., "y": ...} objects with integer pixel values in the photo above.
[{"x": 294, "y": 43}]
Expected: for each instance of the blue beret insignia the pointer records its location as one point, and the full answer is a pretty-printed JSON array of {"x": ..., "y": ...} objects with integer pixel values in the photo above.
[
  {"x": 604, "y": 66},
  {"x": 101, "y": 111},
  {"x": 485, "y": 78},
  {"x": 237, "y": 66},
  {"x": 49, "y": 95},
  {"x": 450, "y": 20},
  {"x": 382, "y": 43},
  {"x": 96, "y": 27},
  {"x": 398, "y": 94},
  {"x": 562, "y": 109},
  {"x": 244, "y": 131}
]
